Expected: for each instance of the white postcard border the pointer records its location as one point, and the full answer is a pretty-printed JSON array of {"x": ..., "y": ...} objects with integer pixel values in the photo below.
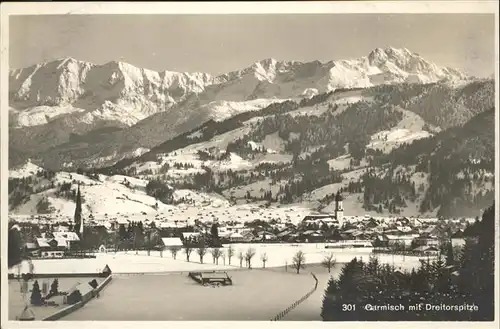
[{"x": 338, "y": 7}]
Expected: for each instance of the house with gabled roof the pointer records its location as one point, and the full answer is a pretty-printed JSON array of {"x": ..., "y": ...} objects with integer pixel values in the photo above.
[
  {"x": 51, "y": 247},
  {"x": 427, "y": 250},
  {"x": 171, "y": 242}
]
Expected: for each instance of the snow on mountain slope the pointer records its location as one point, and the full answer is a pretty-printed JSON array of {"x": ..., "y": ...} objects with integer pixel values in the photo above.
[
  {"x": 272, "y": 144},
  {"x": 87, "y": 86},
  {"x": 26, "y": 170},
  {"x": 103, "y": 160},
  {"x": 343, "y": 162},
  {"x": 389, "y": 139},
  {"x": 40, "y": 115},
  {"x": 51, "y": 102},
  {"x": 256, "y": 189},
  {"x": 124, "y": 197},
  {"x": 106, "y": 195},
  {"x": 199, "y": 199},
  {"x": 353, "y": 206},
  {"x": 216, "y": 147},
  {"x": 288, "y": 79},
  {"x": 69, "y": 82},
  {"x": 221, "y": 110},
  {"x": 410, "y": 128}
]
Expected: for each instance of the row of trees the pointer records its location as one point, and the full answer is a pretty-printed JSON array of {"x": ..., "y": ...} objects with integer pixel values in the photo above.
[{"x": 298, "y": 261}]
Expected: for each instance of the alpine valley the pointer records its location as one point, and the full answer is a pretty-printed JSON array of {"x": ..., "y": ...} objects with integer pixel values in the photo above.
[{"x": 393, "y": 132}]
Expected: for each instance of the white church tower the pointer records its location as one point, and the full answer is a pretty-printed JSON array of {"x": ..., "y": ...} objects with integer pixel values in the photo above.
[{"x": 339, "y": 209}]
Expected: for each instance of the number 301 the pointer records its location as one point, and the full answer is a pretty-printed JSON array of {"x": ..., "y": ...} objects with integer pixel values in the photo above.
[{"x": 348, "y": 307}]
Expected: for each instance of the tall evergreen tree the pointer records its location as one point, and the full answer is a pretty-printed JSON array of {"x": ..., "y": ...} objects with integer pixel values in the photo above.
[
  {"x": 78, "y": 212},
  {"x": 477, "y": 270},
  {"x": 54, "y": 287},
  {"x": 214, "y": 231},
  {"x": 36, "y": 294},
  {"x": 450, "y": 259},
  {"x": 14, "y": 247}
]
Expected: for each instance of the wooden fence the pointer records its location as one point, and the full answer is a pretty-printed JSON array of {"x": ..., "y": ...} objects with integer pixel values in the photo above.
[{"x": 283, "y": 313}]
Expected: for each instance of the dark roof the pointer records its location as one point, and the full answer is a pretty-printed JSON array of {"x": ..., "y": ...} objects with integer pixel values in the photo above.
[
  {"x": 319, "y": 216},
  {"x": 106, "y": 269}
]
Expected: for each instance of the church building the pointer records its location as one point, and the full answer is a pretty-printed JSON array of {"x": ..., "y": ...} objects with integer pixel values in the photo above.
[{"x": 335, "y": 219}]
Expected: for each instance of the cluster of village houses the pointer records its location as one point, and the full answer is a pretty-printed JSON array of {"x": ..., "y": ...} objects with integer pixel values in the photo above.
[{"x": 423, "y": 234}]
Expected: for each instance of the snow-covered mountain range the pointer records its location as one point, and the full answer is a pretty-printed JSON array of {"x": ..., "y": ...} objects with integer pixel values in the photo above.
[
  {"x": 122, "y": 110},
  {"x": 118, "y": 91}
]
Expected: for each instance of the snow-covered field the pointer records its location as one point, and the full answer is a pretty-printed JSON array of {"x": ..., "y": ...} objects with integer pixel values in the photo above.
[
  {"x": 132, "y": 262},
  {"x": 256, "y": 189},
  {"x": 340, "y": 102},
  {"x": 389, "y": 139},
  {"x": 222, "y": 110},
  {"x": 121, "y": 262},
  {"x": 410, "y": 128},
  {"x": 282, "y": 254},
  {"x": 341, "y": 163},
  {"x": 310, "y": 309},
  {"x": 28, "y": 169},
  {"x": 255, "y": 295}
]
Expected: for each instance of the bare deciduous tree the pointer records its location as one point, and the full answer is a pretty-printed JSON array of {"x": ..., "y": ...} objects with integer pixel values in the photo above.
[
  {"x": 248, "y": 257},
  {"x": 201, "y": 250},
  {"x": 241, "y": 257},
  {"x": 216, "y": 253},
  {"x": 264, "y": 259},
  {"x": 329, "y": 262},
  {"x": 188, "y": 250},
  {"x": 230, "y": 253},
  {"x": 174, "y": 250},
  {"x": 298, "y": 261},
  {"x": 223, "y": 256}
]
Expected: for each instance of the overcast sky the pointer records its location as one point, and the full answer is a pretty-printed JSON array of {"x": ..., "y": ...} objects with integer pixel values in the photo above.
[{"x": 222, "y": 43}]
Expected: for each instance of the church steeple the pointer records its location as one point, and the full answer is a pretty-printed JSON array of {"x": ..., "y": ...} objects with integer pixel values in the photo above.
[
  {"x": 339, "y": 208},
  {"x": 78, "y": 213},
  {"x": 338, "y": 197}
]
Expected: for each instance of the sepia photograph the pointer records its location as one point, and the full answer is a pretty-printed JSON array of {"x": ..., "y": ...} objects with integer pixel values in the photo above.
[{"x": 316, "y": 166}]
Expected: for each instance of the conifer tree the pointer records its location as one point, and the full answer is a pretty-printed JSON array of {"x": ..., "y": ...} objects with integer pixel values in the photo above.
[
  {"x": 450, "y": 259},
  {"x": 78, "y": 212},
  {"x": 14, "y": 249},
  {"x": 54, "y": 288},
  {"x": 36, "y": 294}
]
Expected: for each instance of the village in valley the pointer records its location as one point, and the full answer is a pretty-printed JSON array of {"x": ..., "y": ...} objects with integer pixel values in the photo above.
[
  {"x": 63, "y": 253},
  {"x": 49, "y": 238}
]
